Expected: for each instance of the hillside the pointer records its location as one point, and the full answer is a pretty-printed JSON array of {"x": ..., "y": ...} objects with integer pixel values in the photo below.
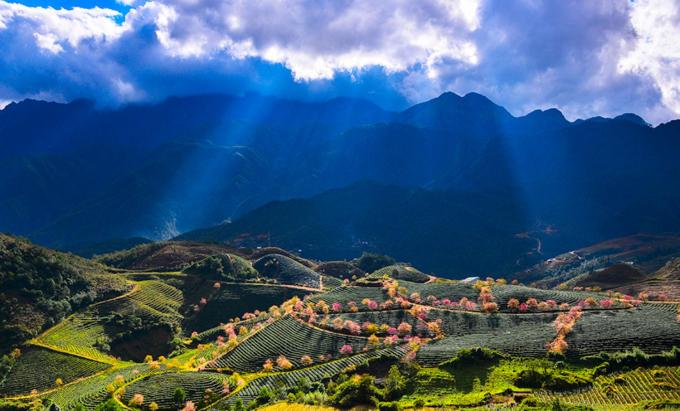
[
  {"x": 641, "y": 253},
  {"x": 40, "y": 287},
  {"x": 396, "y": 336},
  {"x": 408, "y": 223}
]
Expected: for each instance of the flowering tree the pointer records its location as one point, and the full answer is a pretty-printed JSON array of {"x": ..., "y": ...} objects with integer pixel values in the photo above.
[
  {"x": 136, "y": 401},
  {"x": 404, "y": 328},
  {"x": 346, "y": 349},
  {"x": 306, "y": 360},
  {"x": 268, "y": 365},
  {"x": 283, "y": 362},
  {"x": 352, "y": 306},
  {"x": 373, "y": 340},
  {"x": 532, "y": 303},
  {"x": 513, "y": 304},
  {"x": 490, "y": 307},
  {"x": 336, "y": 307},
  {"x": 189, "y": 406},
  {"x": 390, "y": 340}
]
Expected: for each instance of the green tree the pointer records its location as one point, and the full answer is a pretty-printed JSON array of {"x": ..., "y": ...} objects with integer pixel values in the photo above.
[
  {"x": 179, "y": 396},
  {"x": 395, "y": 384}
]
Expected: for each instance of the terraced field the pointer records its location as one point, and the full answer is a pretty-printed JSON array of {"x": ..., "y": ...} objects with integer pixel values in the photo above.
[
  {"x": 153, "y": 299},
  {"x": 625, "y": 390},
  {"x": 287, "y": 271},
  {"x": 38, "y": 369},
  {"x": 289, "y": 337},
  {"x": 526, "y": 339},
  {"x": 652, "y": 327},
  {"x": 400, "y": 272},
  {"x": 452, "y": 291},
  {"x": 217, "y": 372},
  {"x": 233, "y": 300},
  {"x": 503, "y": 293},
  {"x": 79, "y": 334},
  {"x": 343, "y": 295},
  {"x": 200, "y": 387},
  {"x": 316, "y": 373}
]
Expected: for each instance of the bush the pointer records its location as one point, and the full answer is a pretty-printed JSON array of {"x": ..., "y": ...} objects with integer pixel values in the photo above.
[
  {"x": 472, "y": 356},
  {"x": 357, "y": 390},
  {"x": 109, "y": 405},
  {"x": 394, "y": 384},
  {"x": 389, "y": 406},
  {"x": 6, "y": 405},
  {"x": 550, "y": 380}
]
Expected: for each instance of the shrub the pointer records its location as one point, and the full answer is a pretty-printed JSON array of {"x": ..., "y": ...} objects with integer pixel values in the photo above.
[
  {"x": 179, "y": 396},
  {"x": 357, "y": 390},
  {"x": 389, "y": 406},
  {"x": 471, "y": 356},
  {"x": 394, "y": 384}
]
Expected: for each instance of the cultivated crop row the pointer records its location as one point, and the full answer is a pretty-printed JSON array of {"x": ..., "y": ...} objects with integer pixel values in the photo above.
[
  {"x": 93, "y": 391},
  {"x": 199, "y": 387},
  {"x": 287, "y": 271},
  {"x": 233, "y": 300},
  {"x": 40, "y": 369},
  {"x": 613, "y": 391},
  {"x": 526, "y": 340},
  {"x": 400, "y": 272},
  {"x": 647, "y": 327},
  {"x": 320, "y": 372},
  {"x": 290, "y": 338}
]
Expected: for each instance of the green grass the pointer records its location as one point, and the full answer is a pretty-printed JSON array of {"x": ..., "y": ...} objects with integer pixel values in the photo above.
[{"x": 38, "y": 369}]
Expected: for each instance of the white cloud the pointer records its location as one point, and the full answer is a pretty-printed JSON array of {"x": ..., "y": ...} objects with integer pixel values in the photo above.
[
  {"x": 316, "y": 39},
  {"x": 55, "y": 28},
  {"x": 586, "y": 58},
  {"x": 657, "y": 47}
]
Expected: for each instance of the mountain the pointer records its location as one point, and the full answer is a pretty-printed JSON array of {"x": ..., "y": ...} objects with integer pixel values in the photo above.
[
  {"x": 453, "y": 234},
  {"x": 85, "y": 175}
]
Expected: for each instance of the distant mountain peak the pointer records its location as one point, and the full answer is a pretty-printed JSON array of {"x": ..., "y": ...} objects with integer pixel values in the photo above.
[{"x": 632, "y": 118}]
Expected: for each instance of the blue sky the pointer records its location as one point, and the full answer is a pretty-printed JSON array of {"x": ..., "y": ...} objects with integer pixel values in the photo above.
[{"x": 587, "y": 58}]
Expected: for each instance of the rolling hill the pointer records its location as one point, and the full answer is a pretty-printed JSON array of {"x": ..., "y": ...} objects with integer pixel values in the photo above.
[{"x": 395, "y": 338}]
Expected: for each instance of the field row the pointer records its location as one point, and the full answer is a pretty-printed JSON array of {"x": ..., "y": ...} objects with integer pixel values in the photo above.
[
  {"x": 317, "y": 373},
  {"x": 290, "y": 338},
  {"x": 627, "y": 388}
]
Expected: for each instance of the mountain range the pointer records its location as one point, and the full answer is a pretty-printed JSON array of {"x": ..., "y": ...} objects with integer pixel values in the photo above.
[{"x": 455, "y": 184}]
